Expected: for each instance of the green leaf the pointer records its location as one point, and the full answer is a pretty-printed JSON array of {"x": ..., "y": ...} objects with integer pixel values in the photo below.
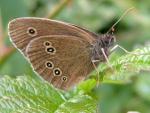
[
  {"x": 86, "y": 86},
  {"x": 127, "y": 65},
  {"x": 78, "y": 104},
  {"x": 27, "y": 95}
]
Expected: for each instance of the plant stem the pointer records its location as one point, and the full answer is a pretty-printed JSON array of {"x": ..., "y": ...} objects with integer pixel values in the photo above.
[
  {"x": 57, "y": 9},
  {"x": 6, "y": 56}
]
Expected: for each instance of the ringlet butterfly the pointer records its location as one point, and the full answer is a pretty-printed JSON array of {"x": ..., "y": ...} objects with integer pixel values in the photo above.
[{"x": 62, "y": 53}]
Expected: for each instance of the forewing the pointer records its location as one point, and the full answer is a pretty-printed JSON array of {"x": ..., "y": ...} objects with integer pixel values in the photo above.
[
  {"x": 71, "y": 56},
  {"x": 23, "y": 30}
]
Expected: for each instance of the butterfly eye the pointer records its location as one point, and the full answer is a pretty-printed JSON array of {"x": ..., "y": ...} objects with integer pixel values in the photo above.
[
  {"x": 106, "y": 42},
  {"x": 112, "y": 40},
  {"x": 49, "y": 64},
  {"x": 32, "y": 31},
  {"x": 50, "y": 50},
  {"x": 64, "y": 78},
  {"x": 47, "y": 43},
  {"x": 57, "y": 72}
]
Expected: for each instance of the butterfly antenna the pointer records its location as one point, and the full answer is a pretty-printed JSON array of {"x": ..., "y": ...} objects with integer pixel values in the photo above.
[{"x": 122, "y": 16}]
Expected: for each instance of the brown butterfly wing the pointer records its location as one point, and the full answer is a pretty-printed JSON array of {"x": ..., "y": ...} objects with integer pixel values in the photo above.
[
  {"x": 23, "y": 30},
  {"x": 71, "y": 57}
]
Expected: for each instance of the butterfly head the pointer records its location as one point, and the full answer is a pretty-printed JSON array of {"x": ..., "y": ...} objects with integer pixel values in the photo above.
[
  {"x": 107, "y": 40},
  {"x": 103, "y": 44}
]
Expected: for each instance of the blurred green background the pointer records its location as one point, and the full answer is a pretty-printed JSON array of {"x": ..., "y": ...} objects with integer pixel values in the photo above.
[{"x": 132, "y": 31}]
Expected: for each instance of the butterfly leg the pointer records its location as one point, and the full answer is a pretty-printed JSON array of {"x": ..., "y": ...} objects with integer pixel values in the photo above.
[
  {"x": 118, "y": 46},
  {"x": 93, "y": 62},
  {"x": 126, "y": 51},
  {"x": 106, "y": 58}
]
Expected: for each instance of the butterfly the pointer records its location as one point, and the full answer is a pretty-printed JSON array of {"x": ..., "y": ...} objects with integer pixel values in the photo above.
[{"x": 62, "y": 53}]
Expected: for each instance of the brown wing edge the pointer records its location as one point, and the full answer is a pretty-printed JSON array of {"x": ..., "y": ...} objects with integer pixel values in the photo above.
[{"x": 83, "y": 30}]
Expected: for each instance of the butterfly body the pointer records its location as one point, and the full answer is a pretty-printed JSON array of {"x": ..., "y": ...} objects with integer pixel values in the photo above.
[
  {"x": 104, "y": 41},
  {"x": 61, "y": 53}
]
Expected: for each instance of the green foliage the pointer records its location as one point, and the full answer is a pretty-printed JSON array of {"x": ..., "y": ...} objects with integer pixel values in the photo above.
[
  {"x": 27, "y": 95},
  {"x": 127, "y": 65},
  {"x": 86, "y": 86},
  {"x": 78, "y": 104},
  {"x": 23, "y": 93}
]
